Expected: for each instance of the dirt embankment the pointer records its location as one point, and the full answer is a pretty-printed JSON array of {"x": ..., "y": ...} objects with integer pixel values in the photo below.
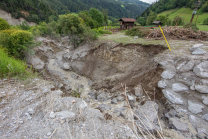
[{"x": 108, "y": 68}]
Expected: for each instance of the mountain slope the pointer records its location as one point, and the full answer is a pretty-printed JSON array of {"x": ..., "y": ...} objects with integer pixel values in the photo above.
[{"x": 43, "y": 10}]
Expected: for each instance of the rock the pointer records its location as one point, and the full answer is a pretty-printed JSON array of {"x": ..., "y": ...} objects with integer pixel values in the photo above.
[
  {"x": 57, "y": 93},
  {"x": 194, "y": 107},
  {"x": 176, "y": 123},
  {"x": 204, "y": 82},
  {"x": 131, "y": 98},
  {"x": 65, "y": 115},
  {"x": 172, "y": 113},
  {"x": 205, "y": 117},
  {"x": 103, "y": 107},
  {"x": 37, "y": 63},
  {"x": 168, "y": 74},
  {"x": 201, "y": 131},
  {"x": 188, "y": 67},
  {"x": 172, "y": 96},
  {"x": 31, "y": 111},
  {"x": 205, "y": 100},
  {"x": 114, "y": 101},
  {"x": 199, "y": 51},
  {"x": 120, "y": 98},
  {"x": 199, "y": 136},
  {"x": 122, "y": 109},
  {"x": 52, "y": 115},
  {"x": 138, "y": 91},
  {"x": 178, "y": 87},
  {"x": 202, "y": 89},
  {"x": 74, "y": 76},
  {"x": 103, "y": 97},
  {"x": 194, "y": 47},
  {"x": 201, "y": 70},
  {"x": 48, "y": 134},
  {"x": 162, "y": 84},
  {"x": 150, "y": 109},
  {"x": 136, "y": 37}
]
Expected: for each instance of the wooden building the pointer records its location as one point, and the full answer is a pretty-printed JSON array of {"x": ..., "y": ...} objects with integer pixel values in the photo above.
[
  {"x": 127, "y": 23},
  {"x": 157, "y": 23}
]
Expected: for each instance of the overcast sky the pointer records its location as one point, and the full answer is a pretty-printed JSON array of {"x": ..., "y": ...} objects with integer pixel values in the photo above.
[{"x": 148, "y": 1}]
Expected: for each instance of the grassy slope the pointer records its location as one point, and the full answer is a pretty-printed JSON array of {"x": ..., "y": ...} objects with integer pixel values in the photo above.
[{"x": 186, "y": 13}]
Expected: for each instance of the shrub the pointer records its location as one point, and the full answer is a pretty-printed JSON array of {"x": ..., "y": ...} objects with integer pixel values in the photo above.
[
  {"x": 9, "y": 66},
  {"x": 205, "y": 21},
  {"x": 191, "y": 25},
  {"x": 24, "y": 26},
  {"x": 17, "y": 42},
  {"x": 139, "y": 31},
  {"x": 4, "y": 24}
]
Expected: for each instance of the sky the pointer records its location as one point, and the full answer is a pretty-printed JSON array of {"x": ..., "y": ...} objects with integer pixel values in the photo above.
[{"x": 148, "y": 1}]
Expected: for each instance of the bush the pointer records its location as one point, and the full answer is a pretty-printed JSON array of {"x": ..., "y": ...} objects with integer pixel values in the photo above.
[
  {"x": 17, "y": 42},
  {"x": 178, "y": 21},
  {"x": 205, "y": 21},
  {"x": 192, "y": 26},
  {"x": 139, "y": 31},
  {"x": 10, "y": 67},
  {"x": 24, "y": 26},
  {"x": 4, "y": 24}
]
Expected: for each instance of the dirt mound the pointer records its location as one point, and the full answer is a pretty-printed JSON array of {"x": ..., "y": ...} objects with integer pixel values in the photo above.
[{"x": 179, "y": 33}]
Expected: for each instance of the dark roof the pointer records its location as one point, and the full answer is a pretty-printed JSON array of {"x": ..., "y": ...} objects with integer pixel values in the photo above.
[
  {"x": 156, "y": 22},
  {"x": 128, "y": 19}
]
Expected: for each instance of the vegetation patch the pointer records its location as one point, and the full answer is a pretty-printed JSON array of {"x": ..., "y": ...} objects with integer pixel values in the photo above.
[
  {"x": 138, "y": 31},
  {"x": 4, "y": 24},
  {"x": 10, "y": 67},
  {"x": 192, "y": 26}
]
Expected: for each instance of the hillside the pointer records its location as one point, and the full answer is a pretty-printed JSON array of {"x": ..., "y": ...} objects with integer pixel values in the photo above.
[{"x": 44, "y": 10}]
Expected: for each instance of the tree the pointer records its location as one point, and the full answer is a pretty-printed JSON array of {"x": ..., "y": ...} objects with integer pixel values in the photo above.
[
  {"x": 97, "y": 15},
  {"x": 150, "y": 19},
  {"x": 141, "y": 20},
  {"x": 178, "y": 21},
  {"x": 163, "y": 19},
  {"x": 205, "y": 21}
]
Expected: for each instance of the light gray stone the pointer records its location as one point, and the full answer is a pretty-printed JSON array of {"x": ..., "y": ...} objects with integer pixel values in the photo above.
[
  {"x": 205, "y": 117},
  {"x": 205, "y": 100},
  {"x": 202, "y": 89},
  {"x": 188, "y": 67},
  {"x": 201, "y": 70},
  {"x": 199, "y": 51},
  {"x": 114, "y": 101},
  {"x": 150, "y": 109},
  {"x": 103, "y": 107},
  {"x": 103, "y": 97},
  {"x": 31, "y": 111},
  {"x": 178, "y": 87},
  {"x": 177, "y": 124},
  {"x": 172, "y": 96},
  {"x": 136, "y": 37},
  {"x": 194, "y": 47},
  {"x": 52, "y": 115},
  {"x": 131, "y": 98},
  {"x": 48, "y": 134},
  {"x": 120, "y": 98},
  {"x": 66, "y": 66},
  {"x": 201, "y": 131},
  {"x": 162, "y": 84},
  {"x": 195, "y": 107},
  {"x": 204, "y": 81},
  {"x": 37, "y": 63},
  {"x": 138, "y": 91},
  {"x": 65, "y": 115},
  {"x": 168, "y": 74}
]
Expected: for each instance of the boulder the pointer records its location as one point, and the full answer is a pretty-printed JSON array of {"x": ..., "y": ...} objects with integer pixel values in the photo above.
[
  {"x": 205, "y": 100},
  {"x": 37, "y": 63},
  {"x": 201, "y": 70},
  {"x": 175, "y": 123},
  {"x": 187, "y": 67},
  {"x": 172, "y": 96},
  {"x": 199, "y": 51},
  {"x": 162, "y": 84},
  {"x": 195, "y": 107},
  {"x": 66, "y": 115},
  {"x": 202, "y": 89},
  {"x": 168, "y": 74},
  {"x": 148, "y": 115},
  {"x": 138, "y": 91},
  {"x": 205, "y": 117},
  {"x": 194, "y": 47},
  {"x": 178, "y": 87}
]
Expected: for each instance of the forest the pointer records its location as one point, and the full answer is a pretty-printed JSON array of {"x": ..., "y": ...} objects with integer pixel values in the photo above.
[{"x": 46, "y": 10}]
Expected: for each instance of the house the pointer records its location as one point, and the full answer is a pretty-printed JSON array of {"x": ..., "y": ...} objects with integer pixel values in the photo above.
[
  {"x": 157, "y": 23},
  {"x": 127, "y": 23}
]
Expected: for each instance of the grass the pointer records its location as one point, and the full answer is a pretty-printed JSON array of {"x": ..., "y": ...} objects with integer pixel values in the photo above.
[
  {"x": 10, "y": 67},
  {"x": 186, "y": 14}
]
